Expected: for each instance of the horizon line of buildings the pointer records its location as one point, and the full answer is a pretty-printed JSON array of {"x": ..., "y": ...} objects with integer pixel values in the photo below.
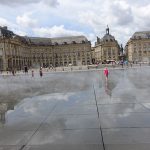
[{"x": 19, "y": 51}]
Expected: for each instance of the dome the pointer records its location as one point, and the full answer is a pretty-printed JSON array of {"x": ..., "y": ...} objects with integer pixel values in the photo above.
[{"x": 108, "y": 38}]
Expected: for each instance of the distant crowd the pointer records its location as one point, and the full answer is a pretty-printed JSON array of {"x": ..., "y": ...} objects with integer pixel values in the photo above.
[{"x": 41, "y": 70}]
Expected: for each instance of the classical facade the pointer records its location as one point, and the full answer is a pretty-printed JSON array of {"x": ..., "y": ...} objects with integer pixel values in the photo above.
[
  {"x": 93, "y": 55},
  {"x": 138, "y": 47},
  {"x": 107, "y": 48},
  {"x": 17, "y": 51}
]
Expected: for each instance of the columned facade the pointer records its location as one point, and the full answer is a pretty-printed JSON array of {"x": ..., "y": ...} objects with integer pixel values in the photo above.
[
  {"x": 138, "y": 47},
  {"x": 107, "y": 48},
  {"x": 15, "y": 54},
  {"x": 17, "y": 51}
]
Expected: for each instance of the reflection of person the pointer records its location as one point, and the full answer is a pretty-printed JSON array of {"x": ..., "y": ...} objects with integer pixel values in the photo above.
[
  {"x": 107, "y": 88},
  {"x": 106, "y": 72}
]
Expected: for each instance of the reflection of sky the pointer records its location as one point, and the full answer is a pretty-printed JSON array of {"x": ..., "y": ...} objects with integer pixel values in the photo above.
[
  {"x": 38, "y": 105},
  {"x": 20, "y": 87},
  {"x": 48, "y": 136},
  {"x": 30, "y": 112},
  {"x": 60, "y": 93},
  {"x": 124, "y": 85},
  {"x": 123, "y": 88}
]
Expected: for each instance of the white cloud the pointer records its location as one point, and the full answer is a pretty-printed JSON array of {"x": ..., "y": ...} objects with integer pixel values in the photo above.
[
  {"x": 123, "y": 16},
  {"x": 51, "y": 3},
  {"x": 26, "y": 21},
  {"x": 61, "y": 31},
  {"x": 122, "y": 13},
  {"x": 3, "y": 22},
  {"x": 12, "y": 26},
  {"x": 142, "y": 17},
  {"x": 55, "y": 31},
  {"x": 20, "y": 32}
]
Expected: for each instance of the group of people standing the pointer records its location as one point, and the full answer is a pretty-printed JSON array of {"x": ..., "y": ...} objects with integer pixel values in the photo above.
[
  {"x": 40, "y": 71},
  {"x": 106, "y": 72}
]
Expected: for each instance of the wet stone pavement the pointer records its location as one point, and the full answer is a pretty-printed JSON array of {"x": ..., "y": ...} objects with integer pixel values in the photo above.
[{"x": 76, "y": 111}]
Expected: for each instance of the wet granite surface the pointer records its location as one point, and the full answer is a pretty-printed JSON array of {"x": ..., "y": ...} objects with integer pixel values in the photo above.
[{"x": 76, "y": 111}]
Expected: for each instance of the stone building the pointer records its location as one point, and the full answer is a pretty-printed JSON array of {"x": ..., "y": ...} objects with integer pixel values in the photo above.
[
  {"x": 17, "y": 51},
  {"x": 14, "y": 50},
  {"x": 138, "y": 47},
  {"x": 107, "y": 48}
]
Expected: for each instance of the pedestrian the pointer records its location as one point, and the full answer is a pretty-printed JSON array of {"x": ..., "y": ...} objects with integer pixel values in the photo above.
[
  {"x": 25, "y": 69},
  {"x": 41, "y": 72},
  {"x": 122, "y": 63},
  {"x": 32, "y": 73},
  {"x": 106, "y": 72},
  {"x": 13, "y": 72}
]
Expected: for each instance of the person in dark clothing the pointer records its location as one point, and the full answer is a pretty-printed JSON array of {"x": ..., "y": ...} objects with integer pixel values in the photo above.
[
  {"x": 41, "y": 72},
  {"x": 26, "y": 69},
  {"x": 13, "y": 72},
  {"x": 32, "y": 73}
]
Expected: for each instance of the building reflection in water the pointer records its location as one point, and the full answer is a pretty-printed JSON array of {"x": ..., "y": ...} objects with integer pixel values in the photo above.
[{"x": 4, "y": 107}]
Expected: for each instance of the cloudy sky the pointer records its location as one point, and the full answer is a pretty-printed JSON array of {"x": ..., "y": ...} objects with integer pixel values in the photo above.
[{"x": 56, "y": 18}]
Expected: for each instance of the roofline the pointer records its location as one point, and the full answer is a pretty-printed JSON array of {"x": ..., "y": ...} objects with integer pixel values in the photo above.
[
  {"x": 69, "y": 36},
  {"x": 142, "y": 32}
]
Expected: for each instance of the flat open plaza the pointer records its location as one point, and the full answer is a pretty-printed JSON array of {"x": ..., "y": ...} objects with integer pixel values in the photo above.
[{"x": 76, "y": 111}]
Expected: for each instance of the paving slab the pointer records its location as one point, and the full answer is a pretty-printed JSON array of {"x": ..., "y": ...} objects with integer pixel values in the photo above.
[
  {"x": 60, "y": 136},
  {"x": 122, "y": 108},
  {"x": 127, "y": 136},
  {"x": 72, "y": 122},
  {"x": 10, "y": 147},
  {"x": 67, "y": 147},
  {"x": 14, "y": 138},
  {"x": 75, "y": 110},
  {"x": 126, "y": 120},
  {"x": 136, "y": 146}
]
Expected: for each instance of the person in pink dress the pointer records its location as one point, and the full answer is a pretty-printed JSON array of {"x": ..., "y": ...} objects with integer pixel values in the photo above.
[{"x": 106, "y": 72}]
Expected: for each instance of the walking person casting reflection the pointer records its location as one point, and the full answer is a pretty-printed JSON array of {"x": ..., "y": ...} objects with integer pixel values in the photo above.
[{"x": 106, "y": 73}]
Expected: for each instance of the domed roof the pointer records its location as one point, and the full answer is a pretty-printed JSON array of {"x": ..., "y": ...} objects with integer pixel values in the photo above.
[{"x": 108, "y": 37}]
